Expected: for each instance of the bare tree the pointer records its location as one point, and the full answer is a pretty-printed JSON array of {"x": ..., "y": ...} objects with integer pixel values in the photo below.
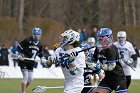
[
  {"x": 133, "y": 2},
  {"x": 125, "y": 4},
  {"x": 20, "y": 18}
]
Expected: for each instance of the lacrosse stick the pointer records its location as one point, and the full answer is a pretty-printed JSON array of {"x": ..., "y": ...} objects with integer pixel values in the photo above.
[
  {"x": 128, "y": 65},
  {"x": 78, "y": 52},
  {"x": 41, "y": 89}
]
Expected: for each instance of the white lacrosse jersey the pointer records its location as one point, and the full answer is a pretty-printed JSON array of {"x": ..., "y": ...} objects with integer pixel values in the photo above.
[
  {"x": 73, "y": 81},
  {"x": 125, "y": 52}
]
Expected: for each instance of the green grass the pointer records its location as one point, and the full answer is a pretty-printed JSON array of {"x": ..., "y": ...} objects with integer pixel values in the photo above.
[{"x": 13, "y": 85}]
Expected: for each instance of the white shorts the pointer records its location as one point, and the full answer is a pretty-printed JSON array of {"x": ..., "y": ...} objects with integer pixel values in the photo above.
[{"x": 74, "y": 86}]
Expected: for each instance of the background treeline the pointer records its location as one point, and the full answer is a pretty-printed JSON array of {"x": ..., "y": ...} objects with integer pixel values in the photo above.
[{"x": 18, "y": 17}]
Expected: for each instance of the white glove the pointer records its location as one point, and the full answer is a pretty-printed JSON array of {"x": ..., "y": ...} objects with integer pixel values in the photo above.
[
  {"x": 130, "y": 61},
  {"x": 20, "y": 57},
  {"x": 43, "y": 60},
  {"x": 91, "y": 65},
  {"x": 73, "y": 55},
  {"x": 108, "y": 67},
  {"x": 53, "y": 59},
  {"x": 37, "y": 59}
]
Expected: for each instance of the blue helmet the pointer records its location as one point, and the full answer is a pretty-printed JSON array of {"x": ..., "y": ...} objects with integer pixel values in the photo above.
[
  {"x": 85, "y": 46},
  {"x": 36, "y": 31},
  {"x": 104, "y": 32}
]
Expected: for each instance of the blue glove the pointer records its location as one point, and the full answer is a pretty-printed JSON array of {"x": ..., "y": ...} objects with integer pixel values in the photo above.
[{"x": 90, "y": 57}]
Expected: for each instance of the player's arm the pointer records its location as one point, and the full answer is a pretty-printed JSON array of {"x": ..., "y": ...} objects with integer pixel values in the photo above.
[
  {"x": 21, "y": 46},
  {"x": 17, "y": 52},
  {"x": 52, "y": 59},
  {"x": 111, "y": 60},
  {"x": 132, "y": 54},
  {"x": 76, "y": 63}
]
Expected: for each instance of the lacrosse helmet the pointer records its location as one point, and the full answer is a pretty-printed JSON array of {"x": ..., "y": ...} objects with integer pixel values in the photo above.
[
  {"x": 104, "y": 32},
  {"x": 105, "y": 38},
  {"x": 69, "y": 37},
  {"x": 36, "y": 32},
  {"x": 121, "y": 36},
  {"x": 91, "y": 41},
  {"x": 85, "y": 46}
]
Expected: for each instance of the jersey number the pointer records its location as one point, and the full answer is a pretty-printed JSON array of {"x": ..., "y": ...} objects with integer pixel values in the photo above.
[
  {"x": 121, "y": 54},
  {"x": 33, "y": 53}
]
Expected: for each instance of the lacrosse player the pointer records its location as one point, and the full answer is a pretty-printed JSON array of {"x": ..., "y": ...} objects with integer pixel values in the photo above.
[
  {"x": 91, "y": 42},
  {"x": 73, "y": 65},
  {"x": 107, "y": 54},
  {"x": 126, "y": 54},
  {"x": 29, "y": 48},
  {"x": 90, "y": 70}
]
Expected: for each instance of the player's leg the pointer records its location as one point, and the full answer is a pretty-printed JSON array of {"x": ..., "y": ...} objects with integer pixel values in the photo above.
[
  {"x": 30, "y": 78},
  {"x": 101, "y": 76},
  {"x": 103, "y": 87},
  {"x": 30, "y": 73},
  {"x": 24, "y": 71},
  {"x": 121, "y": 87},
  {"x": 95, "y": 79},
  {"x": 128, "y": 78},
  {"x": 24, "y": 80}
]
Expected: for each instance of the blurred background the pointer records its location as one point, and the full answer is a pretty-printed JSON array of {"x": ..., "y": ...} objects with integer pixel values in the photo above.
[{"x": 18, "y": 17}]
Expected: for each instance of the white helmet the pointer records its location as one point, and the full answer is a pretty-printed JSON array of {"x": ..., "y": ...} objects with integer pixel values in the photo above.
[
  {"x": 91, "y": 41},
  {"x": 121, "y": 34},
  {"x": 69, "y": 37}
]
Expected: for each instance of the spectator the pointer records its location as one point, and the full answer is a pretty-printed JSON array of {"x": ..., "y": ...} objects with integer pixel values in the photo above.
[
  {"x": 83, "y": 35},
  {"x": 94, "y": 31},
  {"x": 4, "y": 56}
]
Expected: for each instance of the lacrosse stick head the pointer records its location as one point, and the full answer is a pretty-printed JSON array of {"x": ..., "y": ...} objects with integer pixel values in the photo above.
[{"x": 39, "y": 89}]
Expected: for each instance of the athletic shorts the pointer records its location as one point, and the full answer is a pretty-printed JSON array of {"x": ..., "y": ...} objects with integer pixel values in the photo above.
[
  {"x": 85, "y": 90},
  {"x": 116, "y": 84},
  {"x": 74, "y": 86},
  {"x": 26, "y": 65}
]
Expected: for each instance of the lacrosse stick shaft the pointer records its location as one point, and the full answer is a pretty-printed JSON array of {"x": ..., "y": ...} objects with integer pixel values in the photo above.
[
  {"x": 57, "y": 87},
  {"x": 63, "y": 87},
  {"x": 40, "y": 89},
  {"x": 78, "y": 52},
  {"x": 129, "y": 65}
]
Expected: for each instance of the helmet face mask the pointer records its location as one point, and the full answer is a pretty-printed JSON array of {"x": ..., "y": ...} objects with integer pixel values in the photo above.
[
  {"x": 37, "y": 37},
  {"x": 91, "y": 41},
  {"x": 121, "y": 35},
  {"x": 105, "y": 38},
  {"x": 68, "y": 37}
]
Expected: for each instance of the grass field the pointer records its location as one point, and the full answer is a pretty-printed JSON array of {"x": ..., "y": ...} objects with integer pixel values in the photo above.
[{"x": 13, "y": 85}]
